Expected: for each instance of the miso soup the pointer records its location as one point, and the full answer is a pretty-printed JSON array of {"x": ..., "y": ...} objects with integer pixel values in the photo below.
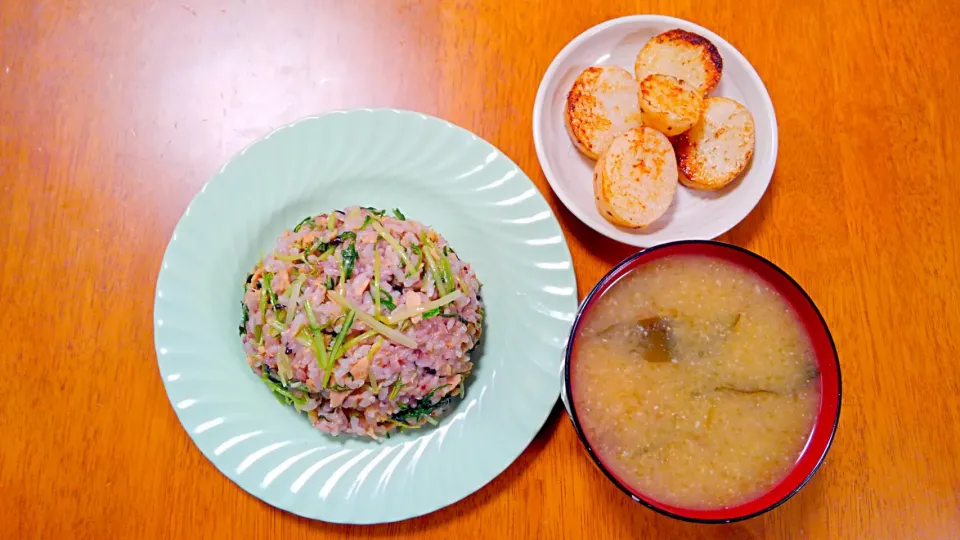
[{"x": 695, "y": 382}]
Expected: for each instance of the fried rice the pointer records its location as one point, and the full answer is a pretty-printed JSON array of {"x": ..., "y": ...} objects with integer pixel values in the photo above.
[{"x": 363, "y": 321}]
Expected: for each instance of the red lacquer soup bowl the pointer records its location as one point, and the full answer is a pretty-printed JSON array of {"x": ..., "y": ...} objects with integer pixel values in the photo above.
[{"x": 824, "y": 349}]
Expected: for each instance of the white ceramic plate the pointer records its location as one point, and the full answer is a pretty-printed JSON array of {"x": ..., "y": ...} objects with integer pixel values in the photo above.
[
  {"x": 694, "y": 215},
  {"x": 437, "y": 173}
]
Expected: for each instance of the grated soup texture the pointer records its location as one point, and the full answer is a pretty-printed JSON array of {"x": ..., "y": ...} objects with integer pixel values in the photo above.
[{"x": 695, "y": 382}]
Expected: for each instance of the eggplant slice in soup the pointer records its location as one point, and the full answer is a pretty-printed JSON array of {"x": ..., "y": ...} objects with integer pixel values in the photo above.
[
  {"x": 650, "y": 338},
  {"x": 662, "y": 339}
]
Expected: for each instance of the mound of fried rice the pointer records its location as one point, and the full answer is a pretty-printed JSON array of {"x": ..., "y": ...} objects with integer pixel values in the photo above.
[{"x": 363, "y": 321}]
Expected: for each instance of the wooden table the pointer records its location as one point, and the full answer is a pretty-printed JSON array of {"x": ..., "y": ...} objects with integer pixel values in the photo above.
[{"x": 114, "y": 112}]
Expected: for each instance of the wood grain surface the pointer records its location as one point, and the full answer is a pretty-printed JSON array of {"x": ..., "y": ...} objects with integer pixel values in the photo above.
[{"x": 114, "y": 112}]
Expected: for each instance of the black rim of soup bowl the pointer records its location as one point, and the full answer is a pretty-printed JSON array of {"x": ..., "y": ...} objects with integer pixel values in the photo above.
[{"x": 608, "y": 281}]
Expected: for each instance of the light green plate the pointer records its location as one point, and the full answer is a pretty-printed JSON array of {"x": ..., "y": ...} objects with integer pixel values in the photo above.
[{"x": 436, "y": 173}]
